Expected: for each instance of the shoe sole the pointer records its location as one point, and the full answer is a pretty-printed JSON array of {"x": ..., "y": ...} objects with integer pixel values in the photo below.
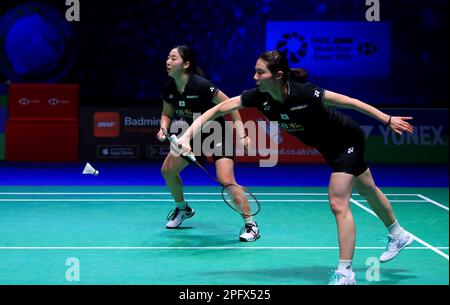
[
  {"x": 249, "y": 240},
  {"x": 410, "y": 241},
  {"x": 193, "y": 213}
]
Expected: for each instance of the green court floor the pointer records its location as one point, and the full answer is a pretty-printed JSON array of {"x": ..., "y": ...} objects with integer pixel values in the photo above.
[{"x": 117, "y": 235}]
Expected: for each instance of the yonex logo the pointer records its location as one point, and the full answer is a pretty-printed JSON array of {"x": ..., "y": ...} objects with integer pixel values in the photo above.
[
  {"x": 171, "y": 96},
  {"x": 350, "y": 150},
  {"x": 211, "y": 88},
  {"x": 53, "y": 101},
  {"x": 316, "y": 93},
  {"x": 24, "y": 101}
]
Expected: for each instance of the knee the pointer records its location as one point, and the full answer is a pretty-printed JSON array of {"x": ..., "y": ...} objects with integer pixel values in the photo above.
[
  {"x": 339, "y": 206},
  {"x": 226, "y": 180},
  {"x": 167, "y": 172}
]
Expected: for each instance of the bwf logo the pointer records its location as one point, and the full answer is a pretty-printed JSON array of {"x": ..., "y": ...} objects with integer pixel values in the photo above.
[{"x": 106, "y": 124}]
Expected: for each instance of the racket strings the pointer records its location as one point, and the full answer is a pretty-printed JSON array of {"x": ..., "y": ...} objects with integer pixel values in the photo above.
[{"x": 241, "y": 200}]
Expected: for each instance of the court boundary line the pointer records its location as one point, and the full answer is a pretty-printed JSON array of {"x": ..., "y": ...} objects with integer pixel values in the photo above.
[
  {"x": 186, "y": 193},
  {"x": 167, "y": 200},
  {"x": 432, "y": 202},
  {"x": 192, "y": 248},
  {"x": 419, "y": 240}
]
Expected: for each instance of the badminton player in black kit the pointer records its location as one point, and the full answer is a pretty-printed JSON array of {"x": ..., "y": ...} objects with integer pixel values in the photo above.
[
  {"x": 303, "y": 110},
  {"x": 188, "y": 93}
]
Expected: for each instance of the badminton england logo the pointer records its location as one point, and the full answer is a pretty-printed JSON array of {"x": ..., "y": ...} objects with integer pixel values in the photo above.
[{"x": 224, "y": 140}]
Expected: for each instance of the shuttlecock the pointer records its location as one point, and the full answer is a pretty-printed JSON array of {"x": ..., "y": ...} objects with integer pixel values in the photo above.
[{"x": 89, "y": 170}]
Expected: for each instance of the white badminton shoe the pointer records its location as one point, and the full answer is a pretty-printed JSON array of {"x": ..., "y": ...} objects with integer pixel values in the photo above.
[
  {"x": 177, "y": 216},
  {"x": 341, "y": 278},
  {"x": 395, "y": 245},
  {"x": 250, "y": 232}
]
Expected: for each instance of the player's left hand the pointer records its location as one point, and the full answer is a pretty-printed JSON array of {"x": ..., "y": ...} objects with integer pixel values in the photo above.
[{"x": 399, "y": 124}]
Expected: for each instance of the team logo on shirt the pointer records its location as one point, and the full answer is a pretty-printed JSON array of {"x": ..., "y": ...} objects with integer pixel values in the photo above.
[
  {"x": 350, "y": 150},
  {"x": 171, "y": 96},
  {"x": 284, "y": 116},
  {"x": 211, "y": 88},
  {"x": 299, "y": 107},
  {"x": 316, "y": 93},
  {"x": 266, "y": 106},
  {"x": 181, "y": 103}
]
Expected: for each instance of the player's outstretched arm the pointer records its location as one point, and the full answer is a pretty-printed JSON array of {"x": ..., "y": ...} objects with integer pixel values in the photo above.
[{"x": 398, "y": 124}]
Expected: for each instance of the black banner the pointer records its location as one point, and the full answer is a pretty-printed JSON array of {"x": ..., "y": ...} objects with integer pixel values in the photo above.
[{"x": 120, "y": 133}]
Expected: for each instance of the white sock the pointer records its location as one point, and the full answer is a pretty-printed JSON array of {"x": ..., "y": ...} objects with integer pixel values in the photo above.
[
  {"x": 345, "y": 266},
  {"x": 395, "y": 230},
  {"x": 249, "y": 220},
  {"x": 182, "y": 205}
]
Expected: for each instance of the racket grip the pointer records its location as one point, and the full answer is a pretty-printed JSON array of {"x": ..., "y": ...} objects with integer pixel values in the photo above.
[{"x": 174, "y": 140}]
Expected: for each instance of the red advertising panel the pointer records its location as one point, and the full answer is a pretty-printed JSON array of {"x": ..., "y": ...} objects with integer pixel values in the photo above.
[
  {"x": 58, "y": 101},
  {"x": 287, "y": 147}
]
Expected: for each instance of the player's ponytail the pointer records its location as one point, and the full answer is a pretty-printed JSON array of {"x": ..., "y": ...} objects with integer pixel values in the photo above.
[
  {"x": 298, "y": 75},
  {"x": 277, "y": 61},
  {"x": 188, "y": 55}
]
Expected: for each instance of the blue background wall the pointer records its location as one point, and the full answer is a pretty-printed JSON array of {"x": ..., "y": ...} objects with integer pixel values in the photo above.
[{"x": 122, "y": 46}]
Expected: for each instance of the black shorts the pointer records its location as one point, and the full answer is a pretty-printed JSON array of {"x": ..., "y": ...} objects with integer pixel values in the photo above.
[
  {"x": 347, "y": 158},
  {"x": 351, "y": 163}
]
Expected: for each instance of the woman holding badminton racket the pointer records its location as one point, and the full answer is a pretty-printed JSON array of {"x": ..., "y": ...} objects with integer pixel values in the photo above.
[
  {"x": 305, "y": 111},
  {"x": 186, "y": 94}
]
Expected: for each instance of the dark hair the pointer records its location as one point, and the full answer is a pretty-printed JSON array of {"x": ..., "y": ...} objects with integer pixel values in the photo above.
[
  {"x": 277, "y": 61},
  {"x": 188, "y": 54}
]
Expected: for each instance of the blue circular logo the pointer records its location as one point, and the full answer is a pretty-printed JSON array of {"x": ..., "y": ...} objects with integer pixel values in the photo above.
[
  {"x": 294, "y": 45},
  {"x": 36, "y": 44}
]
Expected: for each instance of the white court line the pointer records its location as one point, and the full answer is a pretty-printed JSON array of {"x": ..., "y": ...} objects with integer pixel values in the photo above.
[
  {"x": 150, "y": 200},
  {"x": 414, "y": 236},
  {"x": 432, "y": 201},
  {"x": 187, "y": 193},
  {"x": 201, "y": 248},
  {"x": 168, "y": 200}
]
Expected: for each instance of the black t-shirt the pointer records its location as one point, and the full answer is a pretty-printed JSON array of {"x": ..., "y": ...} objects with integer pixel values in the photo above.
[
  {"x": 304, "y": 114},
  {"x": 196, "y": 97}
]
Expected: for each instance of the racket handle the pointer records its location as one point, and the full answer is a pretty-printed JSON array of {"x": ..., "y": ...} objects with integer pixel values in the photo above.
[{"x": 174, "y": 140}]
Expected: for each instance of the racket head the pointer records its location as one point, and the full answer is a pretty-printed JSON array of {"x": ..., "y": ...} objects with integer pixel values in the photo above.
[{"x": 240, "y": 199}]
